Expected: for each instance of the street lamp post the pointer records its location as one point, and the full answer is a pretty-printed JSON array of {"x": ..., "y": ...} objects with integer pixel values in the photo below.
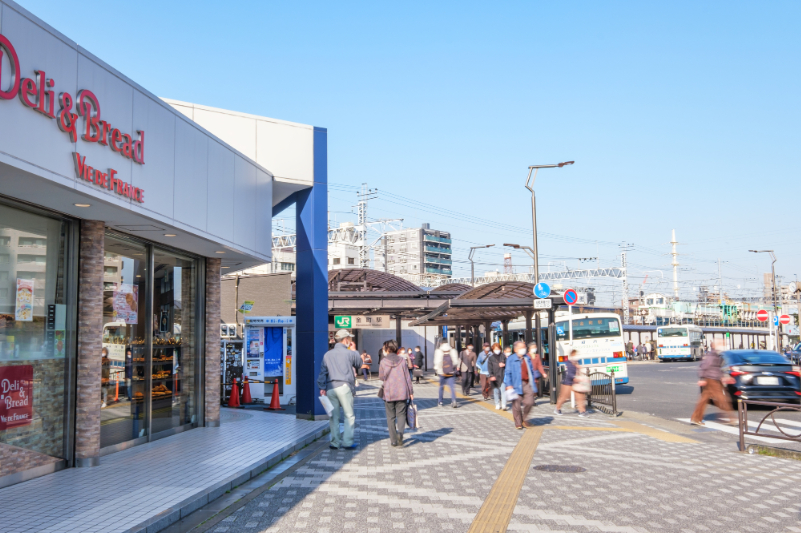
[
  {"x": 470, "y": 257},
  {"x": 773, "y": 288}
]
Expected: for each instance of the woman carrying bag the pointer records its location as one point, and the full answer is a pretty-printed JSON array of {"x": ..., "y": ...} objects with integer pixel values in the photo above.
[
  {"x": 397, "y": 389},
  {"x": 573, "y": 381}
]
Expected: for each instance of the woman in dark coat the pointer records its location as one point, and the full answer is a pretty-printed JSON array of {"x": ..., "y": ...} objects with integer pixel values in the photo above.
[
  {"x": 496, "y": 367},
  {"x": 418, "y": 363}
]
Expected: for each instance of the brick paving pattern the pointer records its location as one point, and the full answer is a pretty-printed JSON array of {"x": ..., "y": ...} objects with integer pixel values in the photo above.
[{"x": 439, "y": 479}]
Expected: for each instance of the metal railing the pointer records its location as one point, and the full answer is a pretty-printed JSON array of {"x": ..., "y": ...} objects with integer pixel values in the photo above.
[
  {"x": 602, "y": 394},
  {"x": 742, "y": 416}
]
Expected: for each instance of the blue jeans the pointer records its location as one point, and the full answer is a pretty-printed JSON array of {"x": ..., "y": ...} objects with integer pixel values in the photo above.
[
  {"x": 342, "y": 397},
  {"x": 499, "y": 393},
  {"x": 449, "y": 382}
]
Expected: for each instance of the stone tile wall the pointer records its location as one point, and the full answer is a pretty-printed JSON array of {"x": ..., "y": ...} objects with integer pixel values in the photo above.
[
  {"x": 90, "y": 337},
  {"x": 212, "y": 345}
]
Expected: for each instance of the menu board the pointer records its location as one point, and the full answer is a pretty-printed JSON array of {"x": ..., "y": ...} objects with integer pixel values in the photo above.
[
  {"x": 16, "y": 396},
  {"x": 23, "y": 309},
  {"x": 125, "y": 303}
]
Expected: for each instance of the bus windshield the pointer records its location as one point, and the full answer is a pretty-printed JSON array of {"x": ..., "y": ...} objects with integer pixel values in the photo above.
[
  {"x": 672, "y": 332},
  {"x": 594, "y": 328}
]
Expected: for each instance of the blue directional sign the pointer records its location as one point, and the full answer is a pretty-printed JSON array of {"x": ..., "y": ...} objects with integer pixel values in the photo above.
[
  {"x": 776, "y": 320},
  {"x": 542, "y": 290}
]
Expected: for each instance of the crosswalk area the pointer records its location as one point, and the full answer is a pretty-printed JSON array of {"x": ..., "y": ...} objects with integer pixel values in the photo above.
[{"x": 767, "y": 428}]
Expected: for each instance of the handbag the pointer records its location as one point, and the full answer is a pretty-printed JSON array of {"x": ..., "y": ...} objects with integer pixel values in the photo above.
[
  {"x": 581, "y": 383},
  {"x": 418, "y": 373},
  {"x": 412, "y": 420},
  {"x": 380, "y": 392}
]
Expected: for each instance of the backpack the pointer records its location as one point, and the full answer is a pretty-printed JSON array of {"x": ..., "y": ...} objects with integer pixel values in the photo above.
[{"x": 447, "y": 364}]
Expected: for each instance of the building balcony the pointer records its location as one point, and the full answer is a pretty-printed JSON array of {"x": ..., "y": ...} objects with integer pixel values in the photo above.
[
  {"x": 434, "y": 238},
  {"x": 437, "y": 249}
]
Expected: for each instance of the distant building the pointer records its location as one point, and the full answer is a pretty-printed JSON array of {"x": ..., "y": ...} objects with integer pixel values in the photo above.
[{"x": 423, "y": 252}]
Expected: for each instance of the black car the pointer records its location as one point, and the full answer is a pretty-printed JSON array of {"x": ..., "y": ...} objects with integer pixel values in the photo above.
[{"x": 762, "y": 375}]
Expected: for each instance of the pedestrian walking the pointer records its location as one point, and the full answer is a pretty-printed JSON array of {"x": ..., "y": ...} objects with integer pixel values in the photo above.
[
  {"x": 483, "y": 371},
  {"x": 418, "y": 364},
  {"x": 568, "y": 378},
  {"x": 519, "y": 380},
  {"x": 397, "y": 384},
  {"x": 711, "y": 380},
  {"x": 630, "y": 350},
  {"x": 410, "y": 354},
  {"x": 641, "y": 350},
  {"x": 467, "y": 366},
  {"x": 536, "y": 364},
  {"x": 366, "y": 362},
  {"x": 649, "y": 349},
  {"x": 445, "y": 369},
  {"x": 496, "y": 367},
  {"x": 337, "y": 381}
]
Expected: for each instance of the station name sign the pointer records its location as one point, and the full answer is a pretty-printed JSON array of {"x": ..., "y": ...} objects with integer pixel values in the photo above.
[{"x": 38, "y": 94}]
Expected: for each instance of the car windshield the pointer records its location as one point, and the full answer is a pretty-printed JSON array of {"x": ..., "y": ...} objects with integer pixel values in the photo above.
[
  {"x": 672, "y": 332},
  {"x": 591, "y": 328},
  {"x": 758, "y": 358}
]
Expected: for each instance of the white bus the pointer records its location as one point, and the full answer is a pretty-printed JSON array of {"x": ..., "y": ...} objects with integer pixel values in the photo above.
[
  {"x": 679, "y": 341},
  {"x": 598, "y": 338}
]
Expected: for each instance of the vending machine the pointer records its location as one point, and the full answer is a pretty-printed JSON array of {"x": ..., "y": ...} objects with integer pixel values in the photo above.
[{"x": 269, "y": 342}]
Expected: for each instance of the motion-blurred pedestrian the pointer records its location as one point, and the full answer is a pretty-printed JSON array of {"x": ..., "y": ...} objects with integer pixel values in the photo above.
[
  {"x": 366, "y": 362},
  {"x": 496, "y": 367},
  {"x": 467, "y": 366},
  {"x": 481, "y": 365},
  {"x": 418, "y": 364},
  {"x": 711, "y": 380},
  {"x": 568, "y": 379},
  {"x": 394, "y": 373},
  {"x": 519, "y": 380},
  {"x": 445, "y": 369},
  {"x": 536, "y": 364}
]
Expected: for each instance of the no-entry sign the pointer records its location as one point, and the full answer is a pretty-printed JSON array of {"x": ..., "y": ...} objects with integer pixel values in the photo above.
[
  {"x": 784, "y": 319},
  {"x": 762, "y": 315}
]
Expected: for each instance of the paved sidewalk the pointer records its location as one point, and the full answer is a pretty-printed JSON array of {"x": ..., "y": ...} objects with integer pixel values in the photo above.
[
  {"x": 148, "y": 487},
  {"x": 637, "y": 478}
]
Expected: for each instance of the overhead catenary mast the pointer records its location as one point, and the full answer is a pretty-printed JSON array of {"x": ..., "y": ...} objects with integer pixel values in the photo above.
[{"x": 675, "y": 265}]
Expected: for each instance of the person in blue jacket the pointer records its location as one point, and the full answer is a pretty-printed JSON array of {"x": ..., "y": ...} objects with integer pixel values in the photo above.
[{"x": 520, "y": 380}]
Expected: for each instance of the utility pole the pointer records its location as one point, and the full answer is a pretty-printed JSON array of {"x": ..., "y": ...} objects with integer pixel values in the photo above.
[
  {"x": 675, "y": 264},
  {"x": 624, "y": 248},
  {"x": 472, "y": 265},
  {"x": 364, "y": 195},
  {"x": 773, "y": 285}
]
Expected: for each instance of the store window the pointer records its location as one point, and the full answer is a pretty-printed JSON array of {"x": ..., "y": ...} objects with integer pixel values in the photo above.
[
  {"x": 123, "y": 384},
  {"x": 36, "y": 336},
  {"x": 174, "y": 342}
]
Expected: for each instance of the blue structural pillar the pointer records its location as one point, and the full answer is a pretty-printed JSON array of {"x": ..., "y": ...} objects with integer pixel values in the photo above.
[{"x": 311, "y": 208}]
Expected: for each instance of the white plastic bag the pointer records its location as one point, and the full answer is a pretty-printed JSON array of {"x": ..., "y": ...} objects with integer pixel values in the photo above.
[
  {"x": 511, "y": 394},
  {"x": 327, "y": 405}
]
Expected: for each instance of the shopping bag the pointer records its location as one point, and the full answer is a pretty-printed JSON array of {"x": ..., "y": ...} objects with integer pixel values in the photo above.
[
  {"x": 412, "y": 419},
  {"x": 581, "y": 383},
  {"x": 511, "y": 394},
  {"x": 327, "y": 405}
]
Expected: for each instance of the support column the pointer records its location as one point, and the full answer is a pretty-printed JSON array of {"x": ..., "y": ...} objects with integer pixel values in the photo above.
[
  {"x": 311, "y": 222},
  {"x": 488, "y": 332},
  {"x": 538, "y": 332},
  {"x": 90, "y": 340},
  {"x": 212, "y": 354},
  {"x": 458, "y": 338},
  {"x": 504, "y": 333},
  {"x": 398, "y": 331},
  {"x": 528, "y": 314}
]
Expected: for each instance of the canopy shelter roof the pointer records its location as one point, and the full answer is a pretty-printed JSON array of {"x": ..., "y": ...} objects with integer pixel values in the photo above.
[
  {"x": 367, "y": 280},
  {"x": 453, "y": 287},
  {"x": 502, "y": 300}
]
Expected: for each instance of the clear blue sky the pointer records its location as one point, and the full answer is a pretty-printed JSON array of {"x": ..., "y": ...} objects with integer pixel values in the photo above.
[{"x": 679, "y": 115}]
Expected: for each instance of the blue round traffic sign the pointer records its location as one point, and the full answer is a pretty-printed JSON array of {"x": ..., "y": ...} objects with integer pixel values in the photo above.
[
  {"x": 542, "y": 290},
  {"x": 570, "y": 297}
]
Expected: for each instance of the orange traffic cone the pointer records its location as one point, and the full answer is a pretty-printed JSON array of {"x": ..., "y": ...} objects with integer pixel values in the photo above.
[
  {"x": 274, "y": 404},
  {"x": 246, "y": 392},
  {"x": 233, "y": 400}
]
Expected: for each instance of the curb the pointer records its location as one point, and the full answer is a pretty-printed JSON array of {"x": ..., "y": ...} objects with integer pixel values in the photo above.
[{"x": 184, "y": 508}]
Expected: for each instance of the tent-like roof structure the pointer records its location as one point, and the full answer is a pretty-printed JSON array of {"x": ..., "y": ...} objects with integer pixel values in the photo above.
[
  {"x": 500, "y": 290},
  {"x": 455, "y": 287},
  {"x": 367, "y": 280}
]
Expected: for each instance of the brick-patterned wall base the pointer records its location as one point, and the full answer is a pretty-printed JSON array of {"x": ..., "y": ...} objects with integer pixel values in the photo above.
[
  {"x": 212, "y": 347},
  {"x": 90, "y": 337}
]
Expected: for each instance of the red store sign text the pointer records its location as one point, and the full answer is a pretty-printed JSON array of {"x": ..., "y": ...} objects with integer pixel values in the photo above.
[
  {"x": 38, "y": 94},
  {"x": 16, "y": 396}
]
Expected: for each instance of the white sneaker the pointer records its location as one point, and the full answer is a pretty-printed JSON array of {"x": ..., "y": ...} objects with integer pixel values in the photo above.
[
  {"x": 103, "y": 405},
  {"x": 497, "y": 407},
  {"x": 557, "y": 412}
]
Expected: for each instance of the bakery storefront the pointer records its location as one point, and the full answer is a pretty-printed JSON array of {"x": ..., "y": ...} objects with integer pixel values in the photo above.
[{"x": 117, "y": 213}]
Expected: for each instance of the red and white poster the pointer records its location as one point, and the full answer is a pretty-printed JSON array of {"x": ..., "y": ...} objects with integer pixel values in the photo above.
[
  {"x": 126, "y": 304},
  {"x": 16, "y": 396}
]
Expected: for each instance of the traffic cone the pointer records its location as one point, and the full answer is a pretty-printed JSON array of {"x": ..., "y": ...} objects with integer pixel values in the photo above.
[
  {"x": 274, "y": 404},
  {"x": 233, "y": 400},
  {"x": 246, "y": 392}
]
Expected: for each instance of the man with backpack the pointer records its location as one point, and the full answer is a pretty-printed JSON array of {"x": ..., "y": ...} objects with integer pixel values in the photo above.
[{"x": 444, "y": 368}]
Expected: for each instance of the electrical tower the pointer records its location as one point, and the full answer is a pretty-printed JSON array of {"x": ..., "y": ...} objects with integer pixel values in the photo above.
[
  {"x": 364, "y": 196},
  {"x": 507, "y": 264}
]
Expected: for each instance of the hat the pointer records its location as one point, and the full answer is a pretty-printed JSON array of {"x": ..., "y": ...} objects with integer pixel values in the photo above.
[
  {"x": 445, "y": 347},
  {"x": 343, "y": 334}
]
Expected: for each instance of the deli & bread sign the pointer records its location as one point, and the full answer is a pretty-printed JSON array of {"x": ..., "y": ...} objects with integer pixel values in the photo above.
[
  {"x": 39, "y": 95},
  {"x": 16, "y": 396}
]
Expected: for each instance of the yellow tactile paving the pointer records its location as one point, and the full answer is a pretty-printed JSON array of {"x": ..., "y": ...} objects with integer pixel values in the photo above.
[{"x": 497, "y": 509}]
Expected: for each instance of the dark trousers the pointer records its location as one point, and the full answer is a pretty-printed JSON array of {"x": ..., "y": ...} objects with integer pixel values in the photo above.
[
  {"x": 396, "y": 420},
  {"x": 449, "y": 381},
  {"x": 521, "y": 406},
  {"x": 366, "y": 373},
  {"x": 713, "y": 390},
  {"x": 485, "y": 385},
  {"x": 467, "y": 382}
]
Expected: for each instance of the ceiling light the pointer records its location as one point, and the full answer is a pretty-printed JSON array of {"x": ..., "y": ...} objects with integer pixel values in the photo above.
[
  {"x": 219, "y": 252},
  {"x": 169, "y": 234},
  {"x": 82, "y": 205},
  {"x": 225, "y": 267}
]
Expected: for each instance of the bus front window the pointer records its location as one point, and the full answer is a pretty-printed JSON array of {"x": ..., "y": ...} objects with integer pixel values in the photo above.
[
  {"x": 672, "y": 332},
  {"x": 596, "y": 328}
]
